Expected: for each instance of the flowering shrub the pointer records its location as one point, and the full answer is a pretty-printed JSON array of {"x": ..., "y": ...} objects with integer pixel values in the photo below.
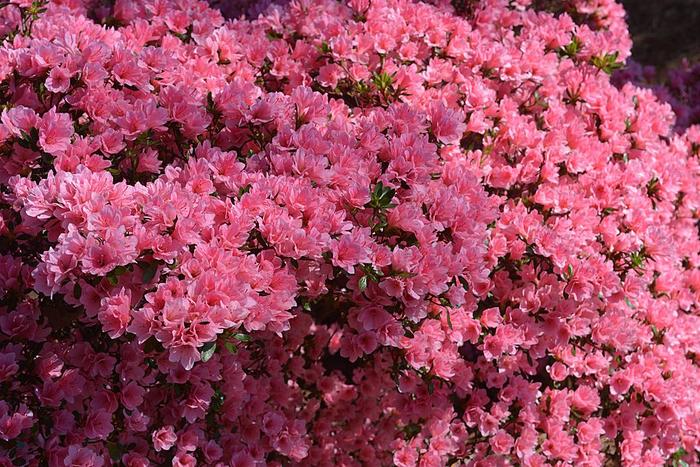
[{"x": 341, "y": 234}]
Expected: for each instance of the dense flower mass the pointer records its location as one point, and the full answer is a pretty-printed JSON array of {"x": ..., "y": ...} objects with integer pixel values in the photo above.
[{"x": 342, "y": 233}]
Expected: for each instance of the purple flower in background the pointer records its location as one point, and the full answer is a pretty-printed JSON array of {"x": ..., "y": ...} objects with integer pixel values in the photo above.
[
  {"x": 680, "y": 87},
  {"x": 248, "y": 8}
]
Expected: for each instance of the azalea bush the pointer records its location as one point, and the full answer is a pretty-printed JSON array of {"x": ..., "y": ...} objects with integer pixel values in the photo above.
[{"x": 342, "y": 233}]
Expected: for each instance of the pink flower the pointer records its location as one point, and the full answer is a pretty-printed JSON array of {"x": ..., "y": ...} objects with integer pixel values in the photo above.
[
  {"x": 185, "y": 353},
  {"x": 406, "y": 457},
  {"x": 164, "y": 438},
  {"x": 55, "y": 132},
  {"x": 115, "y": 314},
  {"x": 293, "y": 447},
  {"x": 12, "y": 424},
  {"x": 131, "y": 395},
  {"x": 98, "y": 424},
  {"x": 184, "y": 459},
  {"x": 148, "y": 162},
  {"x": 502, "y": 442},
  {"x": 619, "y": 384},
  {"x": 272, "y": 423},
  {"x": 78, "y": 456},
  {"x": 558, "y": 371},
  {"x": 666, "y": 413},
  {"x": 347, "y": 253},
  {"x": 135, "y": 460},
  {"x": 111, "y": 141},
  {"x": 58, "y": 80},
  {"x": 212, "y": 451},
  {"x": 8, "y": 366},
  {"x": 19, "y": 119},
  {"x": 586, "y": 399},
  {"x": 447, "y": 125}
]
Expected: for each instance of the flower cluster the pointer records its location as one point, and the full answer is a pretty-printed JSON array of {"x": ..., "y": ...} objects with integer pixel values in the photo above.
[
  {"x": 342, "y": 233},
  {"x": 680, "y": 88}
]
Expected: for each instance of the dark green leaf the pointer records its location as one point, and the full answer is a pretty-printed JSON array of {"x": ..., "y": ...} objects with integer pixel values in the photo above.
[
  {"x": 149, "y": 271},
  {"x": 207, "y": 351},
  {"x": 363, "y": 283},
  {"x": 115, "y": 451},
  {"x": 152, "y": 345},
  {"x": 242, "y": 337},
  {"x": 231, "y": 347},
  {"x": 464, "y": 282}
]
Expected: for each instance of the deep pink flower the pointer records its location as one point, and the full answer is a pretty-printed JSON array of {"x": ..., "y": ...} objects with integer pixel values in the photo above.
[
  {"x": 164, "y": 438},
  {"x": 78, "y": 456}
]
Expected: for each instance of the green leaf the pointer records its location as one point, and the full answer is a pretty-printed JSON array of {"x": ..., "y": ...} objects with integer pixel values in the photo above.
[
  {"x": 401, "y": 274},
  {"x": 149, "y": 271},
  {"x": 363, "y": 283},
  {"x": 382, "y": 80},
  {"x": 207, "y": 351},
  {"x": 362, "y": 88},
  {"x": 677, "y": 458},
  {"x": 24, "y": 140},
  {"x": 381, "y": 196},
  {"x": 152, "y": 345},
  {"x": 411, "y": 430},
  {"x": 571, "y": 49},
  {"x": 653, "y": 187},
  {"x": 273, "y": 35},
  {"x": 114, "y": 450},
  {"x": 77, "y": 290},
  {"x": 607, "y": 63},
  {"x": 242, "y": 337},
  {"x": 371, "y": 273},
  {"x": 629, "y": 303},
  {"x": 210, "y": 101},
  {"x": 231, "y": 347},
  {"x": 244, "y": 190}
]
